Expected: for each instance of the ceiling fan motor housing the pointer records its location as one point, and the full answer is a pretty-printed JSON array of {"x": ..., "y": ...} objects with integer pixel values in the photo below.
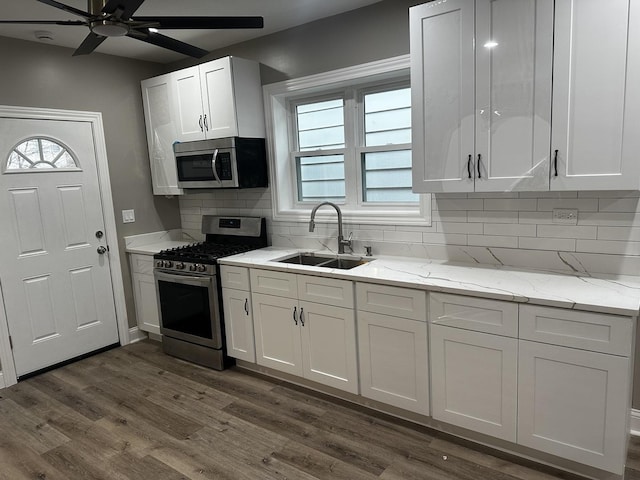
[{"x": 109, "y": 28}]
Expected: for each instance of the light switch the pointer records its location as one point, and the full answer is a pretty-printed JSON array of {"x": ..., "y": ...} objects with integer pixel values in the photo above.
[{"x": 128, "y": 216}]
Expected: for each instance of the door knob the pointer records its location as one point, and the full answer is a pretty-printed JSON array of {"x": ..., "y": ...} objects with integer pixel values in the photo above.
[{"x": 102, "y": 250}]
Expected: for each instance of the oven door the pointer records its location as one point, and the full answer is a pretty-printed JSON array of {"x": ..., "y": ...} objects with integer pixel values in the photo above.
[
  {"x": 207, "y": 169},
  {"x": 188, "y": 307}
]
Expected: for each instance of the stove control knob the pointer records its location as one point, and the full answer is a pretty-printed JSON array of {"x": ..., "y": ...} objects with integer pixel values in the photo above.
[
  {"x": 201, "y": 268},
  {"x": 180, "y": 266},
  {"x": 159, "y": 263},
  {"x": 192, "y": 267},
  {"x": 168, "y": 264}
]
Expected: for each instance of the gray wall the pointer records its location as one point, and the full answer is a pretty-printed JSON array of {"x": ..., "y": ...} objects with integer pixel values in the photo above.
[
  {"x": 371, "y": 33},
  {"x": 37, "y": 75}
]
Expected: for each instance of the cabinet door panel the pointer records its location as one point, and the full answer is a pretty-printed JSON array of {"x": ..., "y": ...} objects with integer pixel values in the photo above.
[
  {"x": 276, "y": 334},
  {"x": 574, "y": 404},
  {"x": 442, "y": 90},
  {"x": 158, "y": 103},
  {"x": 234, "y": 277},
  {"x": 270, "y": 282},
  {"x": 329, "y": 291},
  {"x": 590, "y": 84},
  {"x": 144, "y": 292},
  {"x": 218, "y": 99},
  {"x": 329, "y": 345},
  {"x": 474, "y": 380},
  {"x": 394, "y": 365},
  {"x": 396, "y": 301},
  {"x": 514, "y": 50},
  {"x": 187, "y": 107},
  {"x": 238, "y": 322}
]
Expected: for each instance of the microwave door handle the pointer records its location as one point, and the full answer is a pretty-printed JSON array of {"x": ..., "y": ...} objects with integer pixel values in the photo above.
[{"x": 213, "y": 166}]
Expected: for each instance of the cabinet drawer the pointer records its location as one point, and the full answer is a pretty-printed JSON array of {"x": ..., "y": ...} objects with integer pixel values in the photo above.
[
  {"x": 280, "y": 284},
  {"x": 142, "y": 263},
  {"x": 328, "y": 291},
  {"x": 477, "y": 314},
  {"x": 395, "y": 301},
  {"x": 234, "y": 277},
  {"x": 573, "y": 328}
]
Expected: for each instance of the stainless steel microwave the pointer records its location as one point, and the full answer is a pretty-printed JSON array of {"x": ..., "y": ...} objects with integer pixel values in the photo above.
[{"x": 233, "y": 162}]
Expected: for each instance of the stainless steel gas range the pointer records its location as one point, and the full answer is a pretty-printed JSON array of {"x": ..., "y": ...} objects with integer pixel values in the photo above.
[{"x": 189, "y": 293}]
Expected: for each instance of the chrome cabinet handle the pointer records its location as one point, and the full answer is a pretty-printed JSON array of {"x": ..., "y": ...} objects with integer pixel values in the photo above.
[
  {"x": 295, "y": 309},
  {"x": 200, "y": 123},
  {"x": 213, "y": 166},
  {"x": 206, "y": 127},
  {"x": 469, "y": 166},
  {"x": 555, "y": 163},
  {"x": 479, "y": 173},
  {"x": 246, "y": 306},
  {"x": 302, "y": 316}
]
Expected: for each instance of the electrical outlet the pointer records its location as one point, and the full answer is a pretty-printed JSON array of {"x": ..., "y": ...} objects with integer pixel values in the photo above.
[
  {"x": 128, "y": 216},
  {"x": 566, "y": 216}
]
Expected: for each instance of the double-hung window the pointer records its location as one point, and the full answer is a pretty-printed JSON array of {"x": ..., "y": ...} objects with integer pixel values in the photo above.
[{"x": 347, "y": 141}]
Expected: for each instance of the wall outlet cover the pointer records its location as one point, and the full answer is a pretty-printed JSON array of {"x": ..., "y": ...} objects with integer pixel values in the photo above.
[{"x": 565, "y": 216}]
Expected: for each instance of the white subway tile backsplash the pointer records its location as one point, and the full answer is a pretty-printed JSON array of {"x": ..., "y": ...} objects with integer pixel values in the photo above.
[
  {"x": 581, "y": 204},
  {"x": 510, "y": 204},
  {"x": 567, "y": 231},
  {"x": 557, "y": 244},
  {"x": 513, "y": 229},
  {"x": 483, "y": 216},
  {"x": 492, "y": 241},
  {"x": 510, "y": 229}
]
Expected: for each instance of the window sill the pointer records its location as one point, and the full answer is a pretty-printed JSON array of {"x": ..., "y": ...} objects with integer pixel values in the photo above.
[{"x": 408, "y": 217}]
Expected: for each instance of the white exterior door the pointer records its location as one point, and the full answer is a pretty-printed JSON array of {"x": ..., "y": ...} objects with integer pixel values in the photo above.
[{"x": 57, "y": 287}]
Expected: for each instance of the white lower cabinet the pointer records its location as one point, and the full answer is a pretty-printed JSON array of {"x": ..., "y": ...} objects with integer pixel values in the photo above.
[
  {"x": 474, "y": 380},
  {"x": 238, "y": 316},
  {"x": 394, "y": 365},
  {"x": 144, "y": 293},
  {"x": 313, "y": 340}
]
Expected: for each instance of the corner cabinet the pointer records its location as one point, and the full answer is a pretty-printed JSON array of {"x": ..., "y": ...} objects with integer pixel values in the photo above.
[
  {"x": 305, "y": 326},
  {"x": 482, "y": 95},
  {"x": 217, "y": 99}
]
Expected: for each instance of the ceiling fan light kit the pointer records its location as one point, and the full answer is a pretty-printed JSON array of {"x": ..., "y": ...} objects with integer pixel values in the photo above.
[{"x": 113, "y": 18}]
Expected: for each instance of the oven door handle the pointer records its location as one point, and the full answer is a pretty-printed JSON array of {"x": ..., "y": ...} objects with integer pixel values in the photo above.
[
  {"x": 177, "y": 278},
  {"x": 213, "y": 166}
]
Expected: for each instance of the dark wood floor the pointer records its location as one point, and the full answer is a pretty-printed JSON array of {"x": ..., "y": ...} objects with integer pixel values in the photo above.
[{"x": 135, "y": 413}]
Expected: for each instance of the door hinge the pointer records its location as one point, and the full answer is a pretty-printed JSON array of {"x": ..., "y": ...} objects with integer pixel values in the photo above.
[{"x": 10, "y": 342}]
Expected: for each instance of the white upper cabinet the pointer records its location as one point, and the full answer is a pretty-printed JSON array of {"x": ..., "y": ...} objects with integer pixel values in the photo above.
[
  {"x": 596, "y": 95},
  {"x": 481, "y": 86},
  {"x": 221, "y": 98}
]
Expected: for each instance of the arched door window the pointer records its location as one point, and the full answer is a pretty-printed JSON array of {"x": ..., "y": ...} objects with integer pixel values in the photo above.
[{"x": 40, "y": 153}]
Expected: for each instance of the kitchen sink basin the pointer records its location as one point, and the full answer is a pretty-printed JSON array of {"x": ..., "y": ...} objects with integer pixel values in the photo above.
[{"x": 313, "y": 260}]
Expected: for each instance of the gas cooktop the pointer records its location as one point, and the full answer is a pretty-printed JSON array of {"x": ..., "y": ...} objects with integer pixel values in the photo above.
[{"x": 204, "y": 252}]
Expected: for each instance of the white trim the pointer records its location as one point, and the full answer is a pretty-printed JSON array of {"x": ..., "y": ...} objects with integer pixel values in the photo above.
[
  {"x": 635, "y": 422},
  {"x": 276, "y": 96},
  {"x": 6, "y": 356},
  {"x": 135, "y": 335},
  {"x": 2, "y": 385},
  {"x": 102, "y": 166}
]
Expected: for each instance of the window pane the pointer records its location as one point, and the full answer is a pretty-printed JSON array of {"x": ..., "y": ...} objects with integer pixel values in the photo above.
[
  {"x": 321, "y": 178},
  {"x": 320, "y": 125},
  {"x": 40, "y": 154},
  {"x": 387, "y": 177},
  {"x": 376, "y": 102},
  {"x": 50, "y": 150},
  {"x": 387, "y": 117}
]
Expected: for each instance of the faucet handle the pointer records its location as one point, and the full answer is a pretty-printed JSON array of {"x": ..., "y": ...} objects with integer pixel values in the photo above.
[{"x": 347, "y": 242}]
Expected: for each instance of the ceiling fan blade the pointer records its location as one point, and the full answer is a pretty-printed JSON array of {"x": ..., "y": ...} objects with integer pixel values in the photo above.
[
  {"x": 168, "y": 43},
  {"x": 44, "y": 22},
  {"x": 90, "y": 43},
  {"x": 204, "y": 23},
  {"x": 128, "y": 7},
  {"x": 66, "y": 8}
]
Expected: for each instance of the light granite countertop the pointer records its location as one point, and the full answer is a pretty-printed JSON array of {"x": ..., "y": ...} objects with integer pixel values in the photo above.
[
  {"x": 605, "y": 294},
  {"x": 150, "y": 243}
]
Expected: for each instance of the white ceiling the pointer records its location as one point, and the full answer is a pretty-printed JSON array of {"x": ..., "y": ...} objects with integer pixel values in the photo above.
[{"x": 278, "y": 15}]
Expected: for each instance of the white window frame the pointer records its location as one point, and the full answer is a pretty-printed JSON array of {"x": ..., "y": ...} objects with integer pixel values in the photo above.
[{"x": 277, "y": 98}]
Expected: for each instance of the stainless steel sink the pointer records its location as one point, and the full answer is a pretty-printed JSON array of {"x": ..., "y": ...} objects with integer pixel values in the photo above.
[{"x": 314, "y": 260}]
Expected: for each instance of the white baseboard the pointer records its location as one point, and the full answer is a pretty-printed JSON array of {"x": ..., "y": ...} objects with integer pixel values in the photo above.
[
  {"x": 635, "y": 422},
  {"x": 135, "y": 335}
]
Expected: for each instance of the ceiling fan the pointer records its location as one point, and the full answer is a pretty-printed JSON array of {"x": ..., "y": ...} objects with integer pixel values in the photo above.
[{"x": 113, "y": 18}]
